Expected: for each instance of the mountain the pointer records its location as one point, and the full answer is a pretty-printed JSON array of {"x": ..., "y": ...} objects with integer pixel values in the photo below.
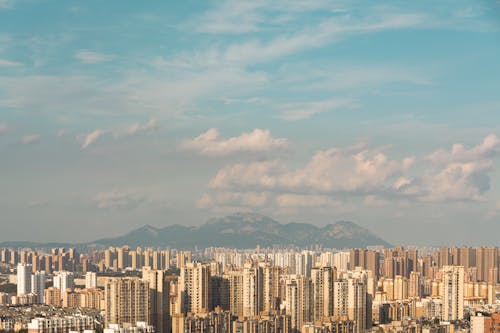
[{"x": 247, "y": 230}]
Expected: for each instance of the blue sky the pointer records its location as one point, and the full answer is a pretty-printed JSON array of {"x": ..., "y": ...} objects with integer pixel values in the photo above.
[{"x": 118, "y": 114}]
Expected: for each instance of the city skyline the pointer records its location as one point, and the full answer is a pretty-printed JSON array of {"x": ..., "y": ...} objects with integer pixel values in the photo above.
[
  {"x": 117, "y": 115},
  {"x": 261, "y": 290}
]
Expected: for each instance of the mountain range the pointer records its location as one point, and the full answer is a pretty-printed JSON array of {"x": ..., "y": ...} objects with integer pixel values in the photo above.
[
  {"x": 241, "y": 230},
  {"x": 247, "y": 230}
]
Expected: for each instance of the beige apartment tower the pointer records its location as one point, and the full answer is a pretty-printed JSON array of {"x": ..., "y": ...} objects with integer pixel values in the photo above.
[
  {"x": 452, "y": 292},
  {"x": 159, "y": 290},
  {"x": 194, "y": 287},
  {"x": 127, "y": 301}
]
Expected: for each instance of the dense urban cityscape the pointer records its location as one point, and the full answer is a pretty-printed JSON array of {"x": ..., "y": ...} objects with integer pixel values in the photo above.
[
  {"x": 250, "y": 166},
  {"x": 219, "y": 290}
]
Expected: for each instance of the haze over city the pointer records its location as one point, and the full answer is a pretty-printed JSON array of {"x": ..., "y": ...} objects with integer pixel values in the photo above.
[{"x": 118, "y": 114}]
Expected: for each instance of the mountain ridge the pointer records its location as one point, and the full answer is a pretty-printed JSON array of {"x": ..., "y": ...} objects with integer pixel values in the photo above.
[
  {"x": 247, "y": 230},
  {"x": 239, "y": 230}
]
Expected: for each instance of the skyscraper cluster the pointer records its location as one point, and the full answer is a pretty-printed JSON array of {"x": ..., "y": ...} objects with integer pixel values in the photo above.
[{"x": 271, "y": 290}]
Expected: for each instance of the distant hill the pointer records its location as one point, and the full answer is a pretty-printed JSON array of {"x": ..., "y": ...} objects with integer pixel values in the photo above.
[
  {"x": 247, "y": 230},
  {"x": 241, "y": 230}
]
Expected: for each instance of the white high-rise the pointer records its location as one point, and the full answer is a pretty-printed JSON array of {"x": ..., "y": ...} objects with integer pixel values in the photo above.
[
  {"x": 90, "y": 280},
  {"x": 63, "y": 281},
  {"x": 38, "y": 286},
  {"x": 304, "y": 263},
  {"x": 23, "y": 279}
]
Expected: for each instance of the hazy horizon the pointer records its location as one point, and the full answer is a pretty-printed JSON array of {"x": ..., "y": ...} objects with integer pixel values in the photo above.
[
  {"x": 119, "y": 114},
  {"x": 386, "y": 237}
]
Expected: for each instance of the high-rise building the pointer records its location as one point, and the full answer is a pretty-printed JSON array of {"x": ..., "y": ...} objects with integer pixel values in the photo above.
[
  {"x": 492, "y": 284},
  {"x": 304, "y": 263},
  {"x": 341, "y": 261},
  {"x": 122, "y": 257},
  {"x": 235, "y": 291},
  {"x": 159, "y": 289},
  {"x": 90, "y": 280},
  {"x": 400, "y": 287},
  {"x": 322, "y": 282},
  {"x": 413, "y": 261},
  {"x": 341, "y": 299},
  {"x": 373, "y": 263},
  {"x": 182, "y": 258},
  {"x": 253, "y": 288},
  {"x": 355, "y": 258},
  {"x": 53, "y": 296},
  {"x": 63, "y": 281},
  {"x": 299, "y": 300},
  {"x": 109, "y": 256},
  {"x": 267, "y": 286},
  {"x": 444, "y": 257},
  {"x": 467, "y": 257},
  {"x": 23, "y": 279},
  {"x": 357, "y": 305},
  {"x": 127, "y": 301},
  {"x": 194, "y": 287},
  {"x": 452, "y": 292},
  {"x": 38, "y": 285},
  {"x": 415, "y": 285},
  {"x": 92, "y": 298},
  {"x": 133, "y": 259}
]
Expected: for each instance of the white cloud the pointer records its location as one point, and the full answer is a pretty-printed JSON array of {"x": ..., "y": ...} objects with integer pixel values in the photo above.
[
  {"x": 324, "y": 32},
  {"x": 151, "y": 93},
  {"x": 9, "y": 63},
  {"x": 90, "y": 138},
  {"x": 91, "y": 57},
  {"x": 30, "y": 139},
  {"x": 461, "y": 173},
  {"x": 117, "y": 199},
  {"x": 335, "y": 175},
  {"x": 262, "y": 175},
  {"x": 333, "y": 170},
  {"x": 242, "y": 17},
  {"x": 137, "y": 128},
  {"x": 459, "y": 181},
  {"x": 258, "y": 140},
  {"x": 299, "y": 111},
  {"x": 487, "y": 149}
]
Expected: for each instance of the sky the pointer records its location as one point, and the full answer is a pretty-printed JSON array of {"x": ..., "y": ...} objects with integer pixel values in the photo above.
[{"x": 116, "y": 114}]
